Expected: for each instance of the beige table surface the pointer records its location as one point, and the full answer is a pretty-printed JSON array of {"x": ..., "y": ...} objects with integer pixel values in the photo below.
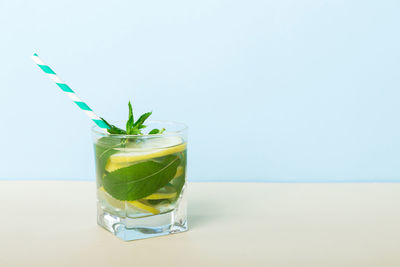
[{"x": 53, "y": 223}]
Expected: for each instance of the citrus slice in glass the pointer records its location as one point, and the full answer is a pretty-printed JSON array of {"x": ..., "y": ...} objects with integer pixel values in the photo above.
[
  {"x": 167, "y": 192},
  {"x": 144, "y": 206},
  {"x": 152, "y": 148}
]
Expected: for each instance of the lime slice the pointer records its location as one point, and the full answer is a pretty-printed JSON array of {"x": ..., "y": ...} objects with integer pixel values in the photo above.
[
  {"x": 152, "y": 148},
  {"x": 144, "y": 206},
  {"x": 166, "y": 192}
]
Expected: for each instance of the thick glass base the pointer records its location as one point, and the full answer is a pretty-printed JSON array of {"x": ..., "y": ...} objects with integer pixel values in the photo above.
[{"x": 140, "y": 228}]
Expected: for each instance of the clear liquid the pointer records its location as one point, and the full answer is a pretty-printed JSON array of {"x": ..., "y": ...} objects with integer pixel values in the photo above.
[{"x": 112, "y": 156}]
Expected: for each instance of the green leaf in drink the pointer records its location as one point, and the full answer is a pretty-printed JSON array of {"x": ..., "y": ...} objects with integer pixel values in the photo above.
[
  {"x": 157, "y": 131},
  {"x": 141, "y": 179},
  {"x": 130, "y": 122},
  {"x": 132, "y": 127},
  {"x": 142, "y": 119}
]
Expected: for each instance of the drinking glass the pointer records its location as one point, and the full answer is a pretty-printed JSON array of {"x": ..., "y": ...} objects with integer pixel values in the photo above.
[{"x": 141, "y": 181}]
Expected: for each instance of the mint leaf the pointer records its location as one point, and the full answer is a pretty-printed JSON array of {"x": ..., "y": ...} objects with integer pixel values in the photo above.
[
  {"x": 113, "y": 129},
  {"x": 142, "y": 118},
  {"x": 135, "y": 131},
  {"x": 154, "y": 131},
  {"x": 157, "y": 131},
  {"x": 129, "y": 123},
  {"x": 132, "y": 127},
  {"x": 141, "y": 179}
]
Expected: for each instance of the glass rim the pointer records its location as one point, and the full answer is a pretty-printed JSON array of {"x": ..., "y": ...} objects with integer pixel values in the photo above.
[{"x": 99, "y": 131}]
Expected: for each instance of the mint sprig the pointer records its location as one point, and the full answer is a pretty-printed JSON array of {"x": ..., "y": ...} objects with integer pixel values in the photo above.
[{"x": 132, "y": 127}]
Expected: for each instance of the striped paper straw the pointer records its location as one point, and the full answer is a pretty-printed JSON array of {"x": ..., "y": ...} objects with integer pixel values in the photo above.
[{"x": 69, "y": 92}]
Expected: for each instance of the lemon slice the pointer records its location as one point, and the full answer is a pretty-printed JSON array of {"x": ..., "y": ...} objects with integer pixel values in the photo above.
[
  {"x": 157, "y": 196},
  {"x": 179, "y": 172},
  {"x": 166, "y": 192},
  {"x": 152, "y": 148},
  {"x": 143, "y": 205}
]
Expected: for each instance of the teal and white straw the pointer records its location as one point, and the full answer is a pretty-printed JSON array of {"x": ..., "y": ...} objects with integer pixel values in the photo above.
[{"x": 69, "y": 92}]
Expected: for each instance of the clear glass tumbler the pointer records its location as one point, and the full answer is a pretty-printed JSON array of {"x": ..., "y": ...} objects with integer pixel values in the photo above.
[{"x": 141, "y": 181}]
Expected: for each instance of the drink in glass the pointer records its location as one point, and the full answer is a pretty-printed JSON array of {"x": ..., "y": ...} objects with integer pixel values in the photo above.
[{"x": 141, "y": 181}]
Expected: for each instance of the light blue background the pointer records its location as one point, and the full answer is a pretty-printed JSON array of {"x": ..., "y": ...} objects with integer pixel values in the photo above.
[{"x": 288, "y": 90}]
